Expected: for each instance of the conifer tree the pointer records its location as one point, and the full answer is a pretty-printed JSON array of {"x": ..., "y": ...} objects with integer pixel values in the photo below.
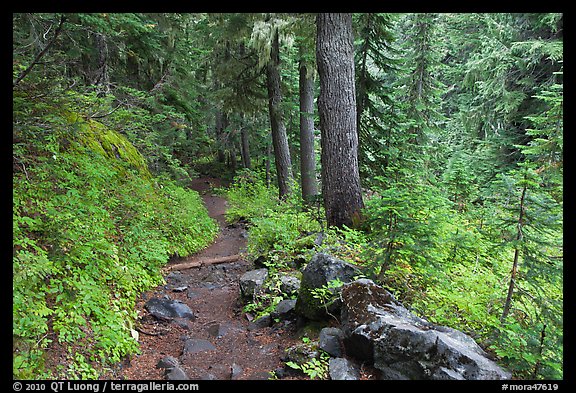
[{"x": 337, "y": 108}]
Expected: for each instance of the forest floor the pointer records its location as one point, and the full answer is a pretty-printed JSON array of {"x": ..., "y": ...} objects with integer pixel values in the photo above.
[{"x": 212, "y": 292}]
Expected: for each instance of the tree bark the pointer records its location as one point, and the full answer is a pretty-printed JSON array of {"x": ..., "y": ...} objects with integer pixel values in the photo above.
[
  {"x": 519, "y": 236},
  {"x": 101, "y": 77},
  {"x": 233, "y": 161},
  {"x": 307, "y": 156},
  {"x": 268, "y": 159},
  {"x": 337, "y": 109},
  {"x": 279, "y": 137},
  {"x": 221, "y": 124},
  {"x": 245, "y": 148}
]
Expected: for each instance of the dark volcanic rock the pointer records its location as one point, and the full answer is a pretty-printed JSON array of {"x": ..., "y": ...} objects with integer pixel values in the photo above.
[
  {"x": 289, "y": 284},
  {"x": 168, "y": 309},
  {"x": 252, "y": 281},
  {"x": 404, "y": 346},
  {"x": 194, "y": 345},
  {"x": 173, "y": 370},
  {"x": 262, "y": 322},
  {"x": 322, "y": 269},
  {"x": 341, "y": 369},
  {"x": 167, "y": 362},
  {"x": 330, "y": 341},
  {"x": 176, "y": 374},
  {"x": 284, "y": 309}
]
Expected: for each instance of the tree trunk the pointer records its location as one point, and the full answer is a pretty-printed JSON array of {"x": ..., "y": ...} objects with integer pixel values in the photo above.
[
  {"x": 337, "y": 110},
  {"x": 221, "y": 123},
  {"x": 245, "y": 148},
  {"x": 307, "y": 156},
  {"x": 279, "y": 137},
  {"x": 232, "y": 154},
  {"x": 519, "y": 236},
  {"x": 268, "y": 158},
  {"x": 101, "y": 77}
]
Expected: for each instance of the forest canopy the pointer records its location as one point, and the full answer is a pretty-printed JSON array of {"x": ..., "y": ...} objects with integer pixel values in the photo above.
[{"x": 456, "y": 128}]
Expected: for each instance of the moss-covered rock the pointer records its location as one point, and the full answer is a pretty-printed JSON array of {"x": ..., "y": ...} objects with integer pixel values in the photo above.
[{"x": 101, "y": 139}]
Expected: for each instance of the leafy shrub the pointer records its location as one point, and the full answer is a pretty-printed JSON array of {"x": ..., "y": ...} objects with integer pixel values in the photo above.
[
  {"x": 249, "y": 197},
  {"x": 91, "y": 230}
]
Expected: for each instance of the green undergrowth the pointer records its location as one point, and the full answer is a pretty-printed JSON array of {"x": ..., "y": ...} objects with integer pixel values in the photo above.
[
  {"x": 283, "y": 234},
  {"x": 446, "y": 265},
  {"x": 91, "y": 230},
  {"x": 285, "y": 231}
]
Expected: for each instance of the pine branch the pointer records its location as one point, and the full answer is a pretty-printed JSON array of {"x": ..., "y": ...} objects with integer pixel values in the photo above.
[{"x": 41, "y": 53}]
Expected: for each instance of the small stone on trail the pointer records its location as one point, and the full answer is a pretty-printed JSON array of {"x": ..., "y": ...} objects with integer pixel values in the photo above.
[
  {"x": 168, "y": 309},
  {"x": 194, "y": 345},
  {"x": 177, "y": 374},
  {"x": 167, "y": 362},
  {"x": 236, "y": 371}
]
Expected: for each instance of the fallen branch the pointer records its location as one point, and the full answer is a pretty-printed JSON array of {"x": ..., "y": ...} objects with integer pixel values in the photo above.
[
  {"x": 148, "y": 333},
  {"x": 209, "y": 261}
]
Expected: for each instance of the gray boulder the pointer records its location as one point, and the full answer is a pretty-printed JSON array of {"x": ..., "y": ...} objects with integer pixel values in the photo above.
[
  {"x": 301, "y": 353},
  {"x": 167, "y": 362},
  {"x": 260, "y": 323},
  {"x": 322, "y": 269},
  {"x": 404, "y": 346},
  {"x": 284, "y": 309},
  {"x": 330, "y": 341},
  {"x": 168, "y": 309},
  {"x": 173, "y": 370},
  {"x": 341, "y": 369},
  {"x": 289, "y": 284},
  {"x": 176, "y": 374},
  {"x": 252, "y": 281}
]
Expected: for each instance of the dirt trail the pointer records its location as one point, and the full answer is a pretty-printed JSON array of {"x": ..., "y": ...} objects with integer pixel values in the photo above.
[{"x": 212, "y": 292}]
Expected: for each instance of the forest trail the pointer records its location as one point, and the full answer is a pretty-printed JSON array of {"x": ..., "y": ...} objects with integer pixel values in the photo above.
[{"x": 216, "y": 343}]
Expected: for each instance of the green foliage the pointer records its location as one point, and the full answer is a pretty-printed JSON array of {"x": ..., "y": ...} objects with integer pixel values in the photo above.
[
  {"x": 315, "y": 367},
  {"x": 91, "y": 231},
  {"x": 267, "y": 298},
  {"x": 283, "y": 231},
  {"x": 457, "y": 115},
  {"x": 327, "y": 294},
  {"x": 249, "y": 197}
]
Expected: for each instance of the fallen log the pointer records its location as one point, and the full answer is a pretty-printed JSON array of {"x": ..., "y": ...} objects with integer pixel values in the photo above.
[{"x": 202, "y": 262}]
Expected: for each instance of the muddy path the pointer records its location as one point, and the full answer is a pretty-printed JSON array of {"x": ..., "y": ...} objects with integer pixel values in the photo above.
[{"x": 217, "y": 342}]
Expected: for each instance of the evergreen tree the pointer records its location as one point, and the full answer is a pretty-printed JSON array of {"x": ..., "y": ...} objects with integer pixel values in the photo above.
[
  {"x": 375, "y": 66},
  {"x": 337, "y": 108}
]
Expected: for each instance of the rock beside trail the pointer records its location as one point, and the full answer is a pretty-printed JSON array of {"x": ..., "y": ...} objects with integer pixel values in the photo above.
[
  {"x": 341, "y": 369},
  {"x": 403, "y": 346},
  {"x": 289, "y": 284},
  {"x": 330, "y": 341},
  {"x": 284, "y": 309},
  {"x": 322, "y": 269},
  {"x": 168, "y": 309},
  {"x": 252, "y": 281},
  {"x": 173, "y": 370}
]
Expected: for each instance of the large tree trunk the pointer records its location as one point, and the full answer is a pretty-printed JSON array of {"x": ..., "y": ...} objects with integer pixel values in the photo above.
[
  {"x": 307, "y": 157},
  {"x": 279, "y": 137},
  {"x": 337, "y": 110}
]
